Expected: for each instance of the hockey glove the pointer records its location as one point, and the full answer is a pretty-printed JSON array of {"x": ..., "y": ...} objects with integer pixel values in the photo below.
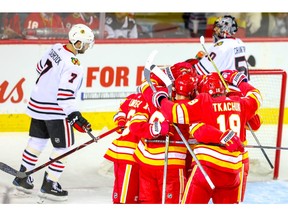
[
  {"x": 159, "y": 128},
  {"x": 120, "y": 122},
  {"x": 200, "y": 55},
  {"x": 255, "y": 122},
  {"x": 232, "y": 141},
  {"x": 79, "y": 122},
  {"x": 158, "y": 97},
  {"x": 234, "y": 77}
]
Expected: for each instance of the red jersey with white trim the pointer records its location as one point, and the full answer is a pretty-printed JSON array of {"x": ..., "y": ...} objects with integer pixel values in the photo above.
[
  {"x": 122, "y": 148},
  {"x": 60, "y": 78},
  {"x": 152, "y": 153},
  {"x": 227, "y": 54},
  {"x": 221, "y": 112}
]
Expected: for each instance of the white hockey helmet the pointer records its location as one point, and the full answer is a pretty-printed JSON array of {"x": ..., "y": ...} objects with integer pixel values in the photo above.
[
  {"x": 224, "y": 26},
  {"x": 82, "y": 33}
]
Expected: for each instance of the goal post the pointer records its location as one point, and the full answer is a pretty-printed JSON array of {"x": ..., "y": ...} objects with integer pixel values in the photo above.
[{"x": 272, "y": 85}]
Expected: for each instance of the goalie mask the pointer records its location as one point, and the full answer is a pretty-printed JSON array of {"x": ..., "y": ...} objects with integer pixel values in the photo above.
[
  {"x": 211, "y": 84},
  {"x": 186, "y": 84},
  {"x": 224, "y": 27},
  {"x": 82, "y": 33}
]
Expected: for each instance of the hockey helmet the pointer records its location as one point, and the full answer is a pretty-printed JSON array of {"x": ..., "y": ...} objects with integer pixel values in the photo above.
[
  {"x": 177, "y": 69},
  {"x": 211, "y": 84},
  {"x": 224, "y": 26},
  {"x": 186, "y": 84},
  {"x": 82, "y": 33}
]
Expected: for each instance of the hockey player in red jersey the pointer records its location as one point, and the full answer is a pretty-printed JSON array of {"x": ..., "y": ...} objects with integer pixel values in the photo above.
[
  {"x": 120, "y": 152},
  {"x": 53, "y": 111},
  {"x": 229, "y": 115},
  {"x": 149, "y": 124},
  {"x": 233, "y": 78},
  {"x": 229, "y": 53}
]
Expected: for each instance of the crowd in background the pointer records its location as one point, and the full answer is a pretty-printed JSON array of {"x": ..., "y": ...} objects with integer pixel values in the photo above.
[{"x": 138, "y": 25}]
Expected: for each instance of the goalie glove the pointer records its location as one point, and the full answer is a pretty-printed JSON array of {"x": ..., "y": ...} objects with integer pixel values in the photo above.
[
  {"x": 234, "y": 77},
  {"x": 158, "y": 97},
  {"x": 159, "y": 128},
  {"x": 79, "y": 122},
  {"x": 231, "y": 141}
]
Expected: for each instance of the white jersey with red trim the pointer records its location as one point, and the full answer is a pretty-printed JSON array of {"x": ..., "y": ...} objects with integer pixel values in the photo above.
[
  {"x": 55, "y": 91},
  {"x": 227, "y": 54}
]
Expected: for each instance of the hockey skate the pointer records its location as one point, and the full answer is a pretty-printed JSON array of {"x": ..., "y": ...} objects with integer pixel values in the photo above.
[
  {"x": 24, "y": 184},
  {"x": 52, "y": 190}
]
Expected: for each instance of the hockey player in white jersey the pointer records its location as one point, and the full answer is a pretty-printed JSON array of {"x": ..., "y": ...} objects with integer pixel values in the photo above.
[
  {"x": 227, "y": 52},
  {"x": 53, "y": 111}
]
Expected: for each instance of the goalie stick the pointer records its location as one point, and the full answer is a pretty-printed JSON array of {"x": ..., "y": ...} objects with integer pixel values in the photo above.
[
  {"x": 8, "y": 169},
  {"x": 202, "y": 41}
]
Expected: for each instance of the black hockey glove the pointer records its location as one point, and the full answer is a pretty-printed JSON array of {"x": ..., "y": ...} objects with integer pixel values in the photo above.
[{"x": 79, "y": 122}]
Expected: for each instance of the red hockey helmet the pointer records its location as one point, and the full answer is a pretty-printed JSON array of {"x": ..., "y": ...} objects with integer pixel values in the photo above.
[
  {"x": 211, "y": 84},
  {"x": 177, "y": 69},
  {"x": 186, "y": 84}
]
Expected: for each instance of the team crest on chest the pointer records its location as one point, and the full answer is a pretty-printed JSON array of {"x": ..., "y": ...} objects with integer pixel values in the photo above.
[
  {"x": 75, "y": 61},
  {"x": 218, "y": 43}
]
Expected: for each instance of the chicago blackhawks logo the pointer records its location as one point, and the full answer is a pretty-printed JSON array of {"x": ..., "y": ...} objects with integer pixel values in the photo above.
[
  {"x": 218, "y": 43},
  {"x": 75, "y": 61}
]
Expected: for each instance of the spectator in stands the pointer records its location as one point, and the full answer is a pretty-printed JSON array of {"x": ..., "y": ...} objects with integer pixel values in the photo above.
[
  {"x": 10, "y": 26},
  {"x": 89, "y": 19},
  {"x": 120, "y": 25},
  {"x": 195, "y": 23},
  {"x": 44, "y": 25},
  {"x": 273, "y": 25}
]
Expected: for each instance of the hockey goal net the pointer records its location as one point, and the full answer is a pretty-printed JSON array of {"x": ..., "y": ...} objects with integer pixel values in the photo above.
[{"x": 272, "y": 84}]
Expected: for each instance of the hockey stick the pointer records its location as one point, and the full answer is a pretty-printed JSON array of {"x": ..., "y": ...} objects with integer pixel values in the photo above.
[
  {"x": 195, "y": 157},
  {"x": 6, "y": 168},
  {"x": 194, "y": 142},
  {"x": 147, "y": 73},
  {"x": 202, "y": 41}
]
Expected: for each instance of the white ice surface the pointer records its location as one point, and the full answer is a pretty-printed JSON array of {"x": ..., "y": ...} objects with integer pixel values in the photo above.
[{"x": 89, "y": 179}]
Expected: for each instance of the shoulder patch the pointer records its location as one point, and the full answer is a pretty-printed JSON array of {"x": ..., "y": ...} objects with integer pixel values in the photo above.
[
  {"x": 75, "y": 61},
  {"x": 218, "y": 43}
]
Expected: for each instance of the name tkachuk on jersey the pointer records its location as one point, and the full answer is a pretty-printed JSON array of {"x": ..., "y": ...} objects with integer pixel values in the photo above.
[
  {"x": 228, "y": 106},
  {"x": 43, "y": 104}
]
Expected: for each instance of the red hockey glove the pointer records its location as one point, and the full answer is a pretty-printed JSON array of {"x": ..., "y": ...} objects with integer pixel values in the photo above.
[
  {"x": 79, "y": 122},
  {"x": 159, "y": 128},
  {"x": 120, "y": 121},
  {"x": 234, "y": 77},
  {"x": 157, "y": 97},
  {"x": 232, "y": 141},
  {"x": 255, "y": 122}
]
